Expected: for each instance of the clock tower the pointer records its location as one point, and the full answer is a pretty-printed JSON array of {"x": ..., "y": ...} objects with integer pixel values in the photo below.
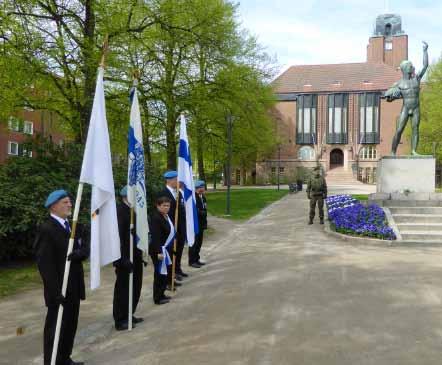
[{"x": 389, "y": 43}]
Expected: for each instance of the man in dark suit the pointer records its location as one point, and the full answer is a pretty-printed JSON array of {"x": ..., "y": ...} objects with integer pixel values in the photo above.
[
  {"x": 123, "y": 267},
  {"x": 51, "y": 246},
  {"x": 170, "y": 191},
  {"x": 201, "y": 207}
]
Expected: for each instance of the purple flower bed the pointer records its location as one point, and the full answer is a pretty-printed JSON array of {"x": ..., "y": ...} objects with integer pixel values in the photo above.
[{"x": 347, "y": 215}]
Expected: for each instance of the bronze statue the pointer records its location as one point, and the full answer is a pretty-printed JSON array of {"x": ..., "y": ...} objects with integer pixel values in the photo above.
[{"x": 408, "y": 88}]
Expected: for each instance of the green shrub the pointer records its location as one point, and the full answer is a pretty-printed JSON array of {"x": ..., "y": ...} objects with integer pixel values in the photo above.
[{"x": 26, "y": 182}]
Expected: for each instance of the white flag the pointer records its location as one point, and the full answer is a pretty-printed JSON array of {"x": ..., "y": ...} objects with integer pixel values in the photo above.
[
  {"x": 185, "y": 176},
  {"x": 97, "y": 171},
  {"x": 136, "y": 186}
]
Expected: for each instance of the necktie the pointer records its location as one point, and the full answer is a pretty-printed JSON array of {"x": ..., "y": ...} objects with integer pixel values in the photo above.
[{"x": 66, "y": 226}]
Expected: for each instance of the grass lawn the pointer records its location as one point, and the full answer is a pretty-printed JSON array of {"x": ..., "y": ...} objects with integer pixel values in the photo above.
[
  {"x": 13, "y": 280},
  {"x": 360, "y": 196},
  {"x": 244, "y": 203}
]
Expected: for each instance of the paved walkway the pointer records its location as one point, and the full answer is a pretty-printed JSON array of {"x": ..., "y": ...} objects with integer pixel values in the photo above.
[{"x": 275, "y": 291}]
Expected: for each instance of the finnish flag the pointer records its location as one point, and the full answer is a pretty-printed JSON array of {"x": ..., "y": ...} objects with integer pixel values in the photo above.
[{"x": 185, "y": 177}]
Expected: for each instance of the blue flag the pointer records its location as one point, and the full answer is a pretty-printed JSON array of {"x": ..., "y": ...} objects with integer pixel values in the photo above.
[{"x": 136, "y": 186}]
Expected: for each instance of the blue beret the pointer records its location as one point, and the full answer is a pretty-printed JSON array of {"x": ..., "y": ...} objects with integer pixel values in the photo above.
[
  {"x": 55, "y": 196},
  {"x": 123, "y": 191},
  {"x": 200, "y": 184},
  {"x": 170, "y": 174}
]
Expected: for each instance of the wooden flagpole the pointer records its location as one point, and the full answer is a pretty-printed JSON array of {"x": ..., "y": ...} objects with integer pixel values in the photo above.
[
  {"x": 131, "y": 275},
  {"x": 176, "y": 237},
  {"x": 131, "y": 247},
  {"x": 67, "y": 266}
]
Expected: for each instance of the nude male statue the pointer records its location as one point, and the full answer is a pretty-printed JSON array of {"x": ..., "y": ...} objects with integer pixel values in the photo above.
[{"x": 408, "y": 88}]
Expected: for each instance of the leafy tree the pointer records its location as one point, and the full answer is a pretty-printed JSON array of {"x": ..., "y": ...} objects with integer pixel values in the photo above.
[{"x": 431, "y": 112}]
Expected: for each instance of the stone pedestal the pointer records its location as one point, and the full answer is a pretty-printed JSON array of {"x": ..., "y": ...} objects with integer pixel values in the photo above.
[{"x": 409, "y": 174}]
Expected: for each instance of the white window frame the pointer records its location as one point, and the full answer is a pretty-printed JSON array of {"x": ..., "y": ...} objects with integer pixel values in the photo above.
[
  {"x": 369, "y": 153},
  {"x": 10, "y": 143},
  {"x": 14, "y": 124},
  {"x": 28, "y": 123},
  {"x": 311, "y": 153}
]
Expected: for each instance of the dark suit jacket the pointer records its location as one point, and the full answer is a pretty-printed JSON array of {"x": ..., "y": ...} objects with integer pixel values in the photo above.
[
  {"x": 159, "y": 229},
  {"x": 181, "y": 231},
  {"x": 201, "y": 207},
  {"x": 51, "y": 246},
  {"x": 123, "y": 215}
]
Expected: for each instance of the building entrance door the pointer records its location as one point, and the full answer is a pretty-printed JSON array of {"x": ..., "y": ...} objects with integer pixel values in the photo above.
[{"x": 336, "y": 158}]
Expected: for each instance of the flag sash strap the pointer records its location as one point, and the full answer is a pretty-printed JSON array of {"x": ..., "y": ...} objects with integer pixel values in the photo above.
[
  {"x": 166, "y": 257},
  {"x": 131, "y": 275}
]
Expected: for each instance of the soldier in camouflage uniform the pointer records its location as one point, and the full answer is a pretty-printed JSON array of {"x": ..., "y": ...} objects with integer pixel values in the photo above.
[{"x": 316, "y": 192}]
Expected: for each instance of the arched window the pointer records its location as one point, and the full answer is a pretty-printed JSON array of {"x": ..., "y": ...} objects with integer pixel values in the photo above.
[
  {"x": 306, "y": 153},
  {"x": 368, "y": 153}
]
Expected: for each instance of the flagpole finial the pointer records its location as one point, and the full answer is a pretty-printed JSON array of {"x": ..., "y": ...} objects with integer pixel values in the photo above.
[{"x": 104, "y": 50}]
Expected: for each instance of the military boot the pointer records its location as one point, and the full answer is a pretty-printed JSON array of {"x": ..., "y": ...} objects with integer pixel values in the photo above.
[
  {"x": 321, "y": 221},
  {"x": 310, "y": 221}
]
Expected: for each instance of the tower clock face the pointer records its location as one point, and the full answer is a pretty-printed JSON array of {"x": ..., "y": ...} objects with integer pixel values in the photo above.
[{"x": 388, "y": 46}]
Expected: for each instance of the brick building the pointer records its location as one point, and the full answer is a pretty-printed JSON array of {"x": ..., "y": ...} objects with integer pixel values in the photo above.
[
  {"x": 23, "y": 125},
  {"x": 334, "y": 113}
]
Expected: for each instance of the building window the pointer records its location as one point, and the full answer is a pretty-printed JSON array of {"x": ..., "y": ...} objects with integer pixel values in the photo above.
[
  {"x": 368, "y": 153},
  {"x": 28, "y": 127},
  {"x": 388, "y": 46},
  {"x": 306, "y": 119},
  {"x": 337, "y": 118},
  {"x": 273, "y": 171},
  {"x": 14, "y": 124},
  {"x": 13, "y": 148},
  {"x": 306, "y": 153},
  {"x": 369, "y": 118},
  {"x": 281, "y": 171}
]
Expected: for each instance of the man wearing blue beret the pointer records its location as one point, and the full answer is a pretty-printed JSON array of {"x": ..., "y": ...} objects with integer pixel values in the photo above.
[
  {"x": 201, "y": 207},
  {"x": 170, "y": 191},
  {"x": 51, "y": 246},
  {"x": 123, "y": 267}
]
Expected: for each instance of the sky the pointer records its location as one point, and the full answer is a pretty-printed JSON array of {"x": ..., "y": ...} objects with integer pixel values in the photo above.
[{"x": 300, "y": 32}]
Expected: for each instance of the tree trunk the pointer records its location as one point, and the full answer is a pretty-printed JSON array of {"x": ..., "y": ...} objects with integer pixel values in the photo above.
[
  {"x": 146, "y": 130},
  {"x": 89, "y": 71},
  {"x": 171, "y": 136},
  {"x": 200, "y": 149}
]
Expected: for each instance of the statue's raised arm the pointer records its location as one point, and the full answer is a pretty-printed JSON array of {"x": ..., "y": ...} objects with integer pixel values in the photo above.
[{"x": 421, "y": 74}]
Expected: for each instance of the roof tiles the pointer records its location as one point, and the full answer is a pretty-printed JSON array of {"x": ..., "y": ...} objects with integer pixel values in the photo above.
[{"x": 342, "y": 77}]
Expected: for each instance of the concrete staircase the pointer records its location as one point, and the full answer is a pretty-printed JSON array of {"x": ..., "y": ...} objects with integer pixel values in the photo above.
[
  {"x": 339, "y": 176},
  {"x": 418, "y": 221}
]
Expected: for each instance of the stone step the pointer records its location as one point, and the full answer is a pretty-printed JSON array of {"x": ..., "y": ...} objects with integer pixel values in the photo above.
[
  {"x": 411, "y": 203},
  {"x": 414, "y": 242},
  {"x": 421, "y": 236},
  {"x": 416, "y": 210},
  {"x": 417, "y": 218},
  {"x": 426, "y": 227}
]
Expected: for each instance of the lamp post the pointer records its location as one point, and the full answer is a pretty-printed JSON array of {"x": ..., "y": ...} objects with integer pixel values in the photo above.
[
  {"x": 229, "y": 160},
  {"x": 279, "y": 163},
  {"x": 215, "y": 164}
]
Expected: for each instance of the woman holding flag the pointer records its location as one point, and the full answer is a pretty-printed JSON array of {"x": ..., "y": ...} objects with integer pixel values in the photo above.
[{"x": 163, "y": 233}]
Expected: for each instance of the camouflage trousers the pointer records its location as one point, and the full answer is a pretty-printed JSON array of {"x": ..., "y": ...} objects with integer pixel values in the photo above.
[{"x": 313, "y": 200}]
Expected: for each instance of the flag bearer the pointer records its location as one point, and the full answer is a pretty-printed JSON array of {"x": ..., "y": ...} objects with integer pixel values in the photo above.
[
  {"x": 201, "y": 206},
  {"x": 170, "y": 191},
  {"x": 123, "y": 267},
  {"x": 163, "y": 234},
  {"x": 51, "y": 246}
]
